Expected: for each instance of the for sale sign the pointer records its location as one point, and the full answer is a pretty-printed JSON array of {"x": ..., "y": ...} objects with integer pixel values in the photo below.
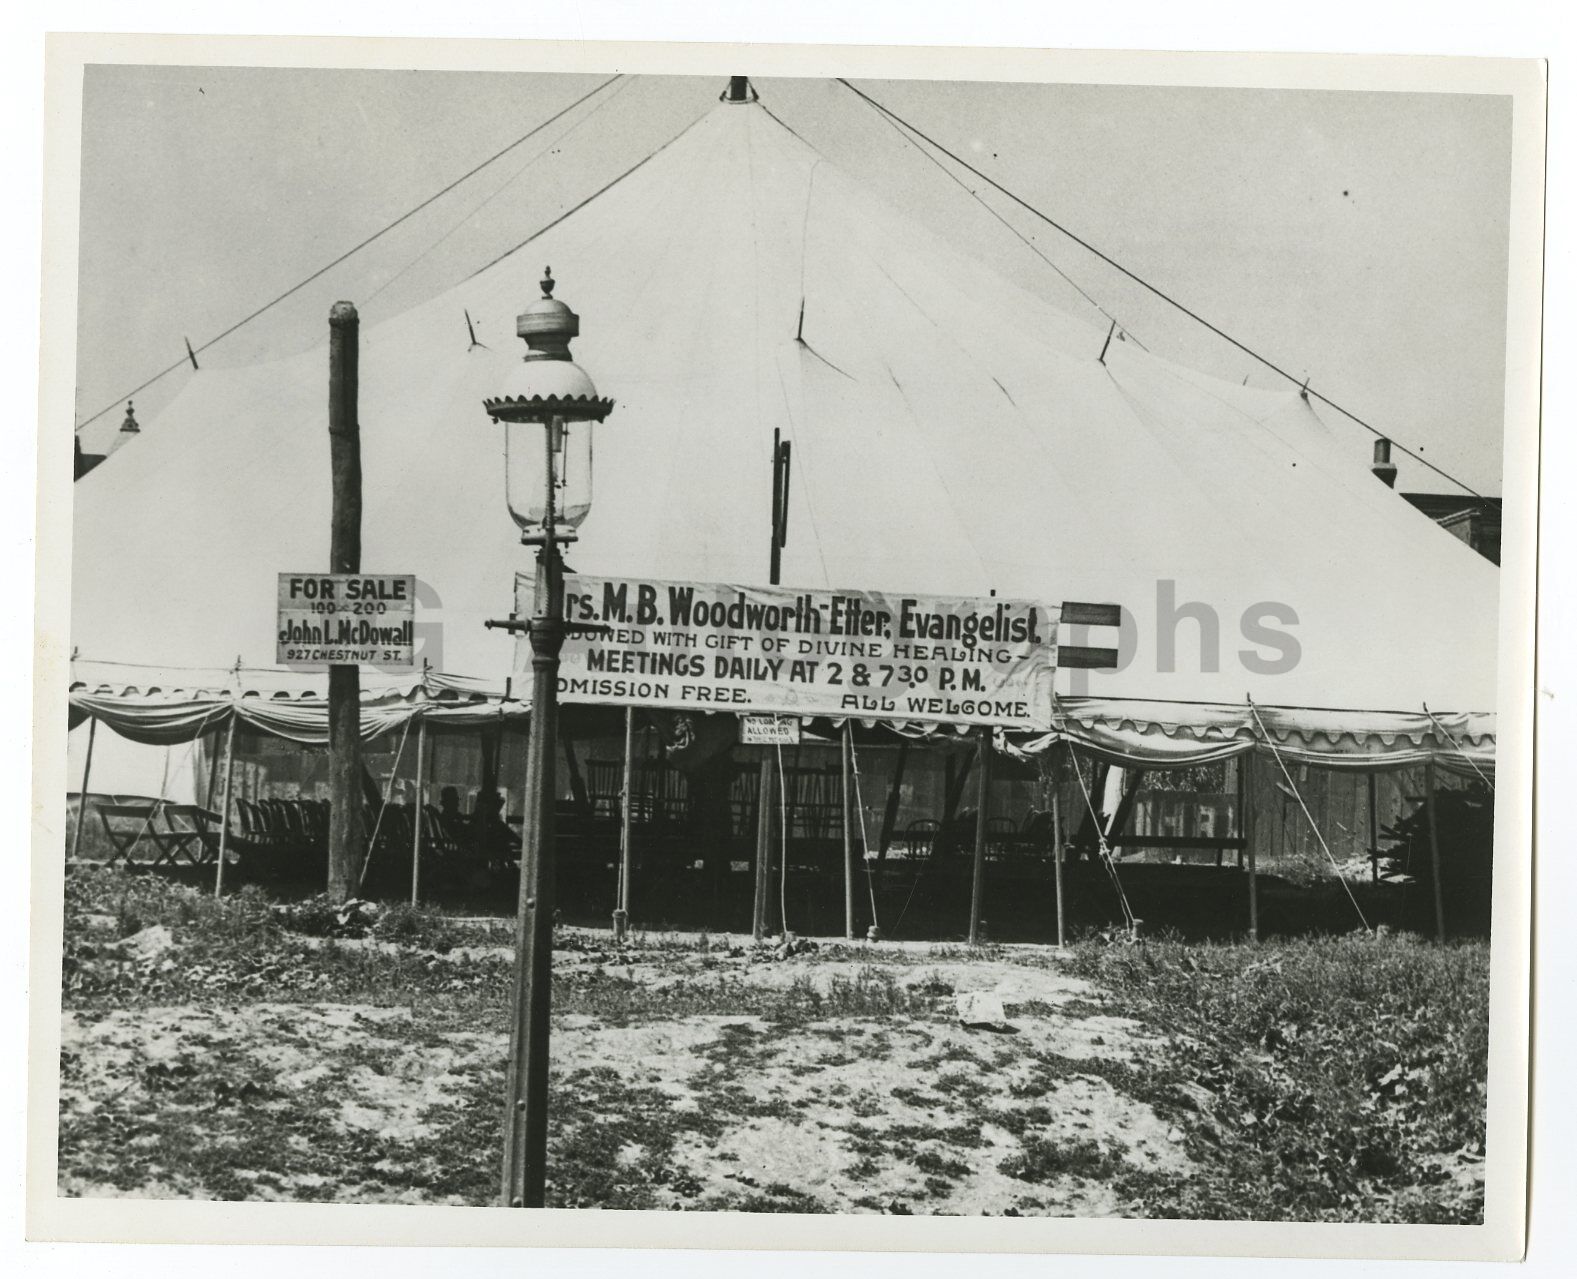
[
  {"x": 347, "y": 619},
  {"x": 781, "y": 651}
]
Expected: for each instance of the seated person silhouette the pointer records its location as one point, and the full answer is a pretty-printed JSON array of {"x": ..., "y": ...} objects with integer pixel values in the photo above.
[{"x": 449, "y": 809}]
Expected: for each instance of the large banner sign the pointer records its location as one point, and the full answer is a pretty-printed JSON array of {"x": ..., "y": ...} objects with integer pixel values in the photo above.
[{"x": 781, "y": 651}]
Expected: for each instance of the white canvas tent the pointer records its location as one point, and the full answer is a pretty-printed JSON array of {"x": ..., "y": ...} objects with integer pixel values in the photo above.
[{"x": 952, "y": 434}]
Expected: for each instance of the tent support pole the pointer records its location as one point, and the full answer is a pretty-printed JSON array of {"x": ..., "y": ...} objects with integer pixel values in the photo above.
[
  {"x": 764, "y": 805},
  {"x": 577, "y": 781},
  {"x": 1246, "y": 821},
  {"x": 416, "y": 823},
  {"x": 1056, "y": 841},
  {"x": 621, "y": 915},
  {"x": 1374, "y": 829},
  {"x": 1434, "y": 851},
  {"x": 82, "y": 802},
  {"x": 890, "y": 812},
  {"x": 978, "y": 885},
  {"x": 224, "y": 812},
  {"x": 213, "y": 774},
  {"x": 848, "y": 830}
]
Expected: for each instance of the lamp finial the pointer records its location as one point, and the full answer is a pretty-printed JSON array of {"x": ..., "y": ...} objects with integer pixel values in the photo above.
[{"x": 547, "y": 281}]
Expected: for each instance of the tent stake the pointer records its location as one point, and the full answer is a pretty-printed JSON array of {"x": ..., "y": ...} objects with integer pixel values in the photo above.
[
  {"x": 1056, "y": 840},
  {"x": 416, "y": 823},
  {"x": 977, "y": 888},
  {"x": 224, "y": 813},
  {"x": 1434, "y": 851},
  {"x": 848, "y": 831},
  {"x": 82, "y": 802},
  {"x": 621, "y": 915}
]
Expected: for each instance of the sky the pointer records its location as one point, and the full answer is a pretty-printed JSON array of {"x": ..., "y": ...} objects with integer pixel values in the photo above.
[{"x": 1357, "y": 239}]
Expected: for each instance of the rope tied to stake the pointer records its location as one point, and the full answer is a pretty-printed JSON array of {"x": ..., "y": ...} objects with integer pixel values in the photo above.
[
  {"x": 388, "y": 793},
  {"x": 1130, "y": 920},
  {"x": 1442, "y": 730},
  {"x": 1313, "y": 825}
]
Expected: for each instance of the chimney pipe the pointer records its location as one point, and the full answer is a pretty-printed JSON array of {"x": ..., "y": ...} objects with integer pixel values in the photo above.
[{"x": 1383, "y": 468}]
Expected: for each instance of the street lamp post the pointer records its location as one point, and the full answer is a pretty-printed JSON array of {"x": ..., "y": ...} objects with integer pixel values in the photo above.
[{"x": 548, "y": 483}]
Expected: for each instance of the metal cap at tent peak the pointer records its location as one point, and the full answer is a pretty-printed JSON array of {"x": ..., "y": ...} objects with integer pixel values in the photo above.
[
  {"x": 1383, "y": 468},
  {"x": 130, "y": 425},
  {"x": 547, "y": 383}
]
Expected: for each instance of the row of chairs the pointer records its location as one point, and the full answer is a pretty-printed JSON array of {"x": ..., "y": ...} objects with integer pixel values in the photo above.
[{"x": 284, "y": 825}]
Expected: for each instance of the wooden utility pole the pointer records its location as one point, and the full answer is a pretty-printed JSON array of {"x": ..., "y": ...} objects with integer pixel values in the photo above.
[{"x": 346, "y": 836}]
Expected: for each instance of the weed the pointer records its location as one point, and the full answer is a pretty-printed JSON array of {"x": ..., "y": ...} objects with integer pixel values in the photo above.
[{"x": 1042, "y": 1160}]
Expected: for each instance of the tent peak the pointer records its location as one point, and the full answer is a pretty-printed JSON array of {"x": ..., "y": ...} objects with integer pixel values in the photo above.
[{"x": 739, "y": 90}]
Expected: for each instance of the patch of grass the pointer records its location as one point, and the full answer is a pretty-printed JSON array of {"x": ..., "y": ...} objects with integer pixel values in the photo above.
[
  {"x": 1333, "y": 1068},
  {"x": 1042, "y": 1160},
  {"x": 965, "y": 1136},
  {"x": 950, "y": 1053},
  {"x": 236, "y": 947},
  {"x": 914, "y": 1097},
  {"x": 773, "y": 1198},
  {"x": 938, "y": 1165},
  {"x": 962, "y": 1085},
  {"x": 867, "y": 994},
  {"x": 1020, "y": 1120},
  {"x": 1333, "y": 1079}
]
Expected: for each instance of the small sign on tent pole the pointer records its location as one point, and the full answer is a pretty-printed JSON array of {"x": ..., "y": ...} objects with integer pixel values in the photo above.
[{"x": 769, "y": 730}]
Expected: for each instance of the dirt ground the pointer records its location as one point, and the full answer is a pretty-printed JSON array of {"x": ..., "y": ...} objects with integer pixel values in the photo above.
[{"x": 841, "y": 1107}]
